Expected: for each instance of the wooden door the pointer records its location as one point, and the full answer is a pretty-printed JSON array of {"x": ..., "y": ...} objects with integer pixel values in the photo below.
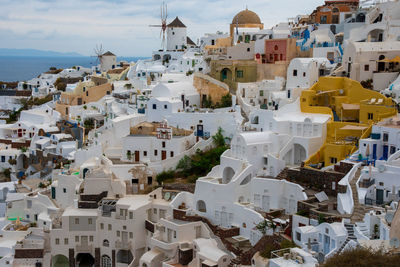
[
  {"x": 137, "y": 156},
  {"x": 163, "y": 154}
]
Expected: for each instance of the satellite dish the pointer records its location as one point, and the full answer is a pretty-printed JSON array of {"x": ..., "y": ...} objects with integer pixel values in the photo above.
[
  {"x": 167, "y": 196},
  {"x": 394, "y": 242}
]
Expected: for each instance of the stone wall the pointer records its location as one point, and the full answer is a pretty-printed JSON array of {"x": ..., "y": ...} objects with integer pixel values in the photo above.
[
  {"x": 316, "y": 179},
  {"x": 210, "y": 87}
]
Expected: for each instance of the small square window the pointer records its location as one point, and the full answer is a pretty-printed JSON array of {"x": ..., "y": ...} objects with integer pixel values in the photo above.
[
  {"x": 130, "y": 235},
  {"x": 239, "y": 74},
  {"x": 118, "y": 233},
  {"x": 91, "y": 238},
  {"x": 366, "y": 67},
  {"x": 76, "y": 238},
  {"x": 90, "y": 221},
  {"x": 57, "y": 241},
  {"x": 155, "y": 152},
  {"x": 109, "y": 227},
  {"x": 172, "y": 154},
  {"x": 76, "y": 220},
  {"x": 145, "y": 153},
  {"x": 155, "y": 211},
  {"x": 102, "y": 226},
  {"x": 163, "y": 144},
  {"x": 294, "y": 72},
  {"x": 165, "y": 106},
  {"x": 131, "y": 215},
  {"x": 65, "y": 241},
  {"x": 65, "y": 190},
  {"x": 154, "y": 106}
]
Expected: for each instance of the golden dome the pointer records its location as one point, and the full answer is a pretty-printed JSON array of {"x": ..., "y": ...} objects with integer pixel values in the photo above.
[{"x": 246, "y": 17}]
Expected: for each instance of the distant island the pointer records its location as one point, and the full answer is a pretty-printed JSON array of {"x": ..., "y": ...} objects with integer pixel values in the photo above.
[{"x": 11, "y": 52}]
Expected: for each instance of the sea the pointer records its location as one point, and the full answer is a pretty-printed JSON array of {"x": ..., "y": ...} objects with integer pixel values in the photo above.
[{"x": 19, "y": 68}]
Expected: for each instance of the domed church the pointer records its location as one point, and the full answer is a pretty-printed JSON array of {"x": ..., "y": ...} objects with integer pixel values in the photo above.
[{"x": 243, "y": 24}]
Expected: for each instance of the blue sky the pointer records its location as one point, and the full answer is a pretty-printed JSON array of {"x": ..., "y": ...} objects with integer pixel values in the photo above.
[{"x": 122, "y": 25}]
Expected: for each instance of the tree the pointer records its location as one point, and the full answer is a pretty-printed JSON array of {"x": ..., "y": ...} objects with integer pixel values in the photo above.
[
  {"x": 363, "y": 257},
  {"x": 218, "y": 138},
  {"x": 226, "y": 101}
]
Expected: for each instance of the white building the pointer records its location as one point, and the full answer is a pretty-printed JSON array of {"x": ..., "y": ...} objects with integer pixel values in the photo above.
[{"x": 176, "y": 35}]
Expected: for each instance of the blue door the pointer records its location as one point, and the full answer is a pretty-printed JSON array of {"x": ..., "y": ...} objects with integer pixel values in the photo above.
[
  {"x": 374, "y": 151},
  {"x": 327, "y": 244},
  {"x": 379, "y": 196},
  {"x": 385, "y": 152}
]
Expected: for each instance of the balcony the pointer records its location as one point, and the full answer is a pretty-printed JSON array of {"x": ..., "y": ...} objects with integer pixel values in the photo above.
[
  {"x": 84, "y": 248},
  {"x": 163, "y": 245},
  {"x": 123, "y": 244}
]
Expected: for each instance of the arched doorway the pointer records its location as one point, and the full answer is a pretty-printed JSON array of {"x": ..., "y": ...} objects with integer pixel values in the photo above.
[
  {"x": 226, "y": 74},
  {"x": 105, "y": 261},
  {"x": 124, "y": 256},
  {"x": 60, "y": 261},
  {"x": 84, "y": 260},
  {"x": 201, "y": 206},
  {"x": 227, "y": 175},
  {"x": 85, "y": 171},
  {"x": 156, "y": 57},
  {"x": 299, "y": 154},
  {"x": 376, "y": 35}
]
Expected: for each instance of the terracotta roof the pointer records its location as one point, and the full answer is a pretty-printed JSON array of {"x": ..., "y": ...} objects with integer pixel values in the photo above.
[
  {"x": 176, "y": 23},
  {"x": 108, "y": 53},
  {"x": 246, "y": 17},
  {"x": 189, "y": 41}
]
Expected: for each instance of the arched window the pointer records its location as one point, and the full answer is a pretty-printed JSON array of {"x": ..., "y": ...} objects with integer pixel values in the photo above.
[
  {"x": 276, "y": 47},
  {"x": 106, "y": 243},
  {"x": 335, "y": 10}
]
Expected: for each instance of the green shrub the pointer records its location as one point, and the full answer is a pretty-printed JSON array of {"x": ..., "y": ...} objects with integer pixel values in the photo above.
[{"x": 164, "y": 176}]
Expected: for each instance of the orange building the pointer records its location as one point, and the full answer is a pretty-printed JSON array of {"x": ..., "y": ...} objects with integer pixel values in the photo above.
[{"x": 330, "y": 13}]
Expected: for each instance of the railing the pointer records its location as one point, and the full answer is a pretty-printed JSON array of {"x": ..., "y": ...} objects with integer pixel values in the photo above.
[
  {"x": 367, "y": 183},
  {"x": 84, "y": 248}
]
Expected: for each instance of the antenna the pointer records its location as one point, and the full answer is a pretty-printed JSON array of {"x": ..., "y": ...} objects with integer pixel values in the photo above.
[{"x": 163, "y": 25}]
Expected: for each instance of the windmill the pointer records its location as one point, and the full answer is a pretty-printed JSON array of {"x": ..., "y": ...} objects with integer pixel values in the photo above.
[
  {"x": 98, "y": 51},
  {"x": 163, "y": 26}
]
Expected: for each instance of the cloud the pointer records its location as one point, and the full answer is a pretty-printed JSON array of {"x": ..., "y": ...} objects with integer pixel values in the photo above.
[{"x": 122, "y": 26}]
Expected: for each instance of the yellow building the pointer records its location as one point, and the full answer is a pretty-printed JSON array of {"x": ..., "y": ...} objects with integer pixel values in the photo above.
[
  {"x": 354, "y": 110},
  {"x": 85, "y": 92}
]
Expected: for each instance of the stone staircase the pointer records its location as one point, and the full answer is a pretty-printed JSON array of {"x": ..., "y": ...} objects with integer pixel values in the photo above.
[
  {"x": 359, "y": 209},
  {"x": 283, "y": 174},
  {"x": 350, "y": 236}
]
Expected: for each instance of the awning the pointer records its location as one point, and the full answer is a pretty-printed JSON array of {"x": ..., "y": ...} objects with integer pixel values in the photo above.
[
  {"x": 393, "y": 60},
  {"x": 350, "y": 106},
  {"x": 354, "y": 127}
]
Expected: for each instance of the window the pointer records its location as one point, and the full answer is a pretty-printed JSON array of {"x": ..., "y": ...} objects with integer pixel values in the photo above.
[
  {"x": 239, "y": 74},
  {"x": 149, "y": 180},
  {"x": 163, "y": 144},
  {"x": 102, "y": 226},
  {"x": 87, "y": 93},
  {"x": 118, "y": 233},
  {"x": 165, "y": 106},
  {"x": 57, "y": 241},
  {"x": 155, "y": 152},
  {"x": 131, "y": 215},
  {"x": 172, "y": 154},
  {"x": 248, "y": 49},
  {"x": 109, "y": 227},
  {"x": 174, "y": 234},
  {"x": 261, "y": 92},
  {"x": 298, "y": 236},
  {"x": 130, "y": 235},
  {"x": 90, "y": 221},
  {"x": 276, "y": 47},
  {"x": 155, "y": 211},
  {"x": 76, "y": 220},
  {"x": 154, "y": 106},
  {"x": 65, "y": 190},
  {"x": 370, "y": 116},
  {"x": 106, "y": 243},
  {"x": 294, "y": 72},
  {"x": 366, "y": 67},
  {"x": 304, "y": 74},
  {"x": 91, "y": 238},
  {"x": 392, "y": 149},
  {"x": 76, "y": 238},
  {"x": 145, "y": 153},
  {"x": 381, "y": 184},
  {"x": 385, "y": 137},
  {"x": 124, "y": 227},
  {"x": 65, "y": 241},
  {"x": 324, "y": 19},
  {"x": 333, "y": 160}
]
